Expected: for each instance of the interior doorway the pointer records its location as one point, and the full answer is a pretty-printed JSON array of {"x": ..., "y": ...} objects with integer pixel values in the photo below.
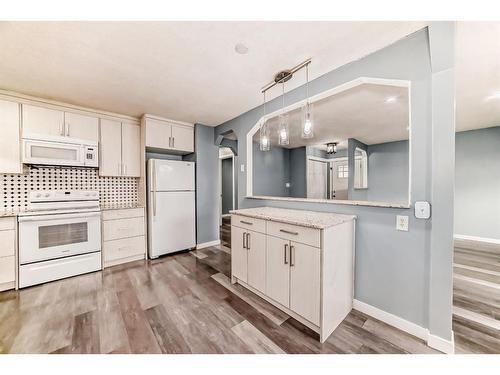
[{"x": 227, "y": 193}]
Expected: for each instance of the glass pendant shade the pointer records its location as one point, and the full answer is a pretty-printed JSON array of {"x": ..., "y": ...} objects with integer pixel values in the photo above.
[
  {"x": 265, "y": 140},
  {"x": 307, "y": 121},
  {"x": 283, "y": 130}
]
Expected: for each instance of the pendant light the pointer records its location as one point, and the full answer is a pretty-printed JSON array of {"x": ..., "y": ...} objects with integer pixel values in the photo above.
[
  {"x": 283, "y": 129},
  {"x": 264, "y": 141},
  {"x": 331, "y": 148},
  {"x": 307, "y": 112}
]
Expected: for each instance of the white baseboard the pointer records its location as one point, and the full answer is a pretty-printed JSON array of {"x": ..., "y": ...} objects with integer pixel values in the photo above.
[
  {"x": 391, "y": 319},
  {"x": 433, "y": 341},
  {"x": 207, "y": 244},
  {"x": 463, "y": 237},
  {"x": 438, "y": 343}
]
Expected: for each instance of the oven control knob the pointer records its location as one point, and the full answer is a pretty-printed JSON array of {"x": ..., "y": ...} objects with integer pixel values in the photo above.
[
  {"x": 47, "y": 195},
  {"x": 38, "y": 195}
]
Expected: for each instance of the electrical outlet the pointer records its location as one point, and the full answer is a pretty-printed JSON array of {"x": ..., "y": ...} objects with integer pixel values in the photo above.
[{"x": 402, "y": 223}]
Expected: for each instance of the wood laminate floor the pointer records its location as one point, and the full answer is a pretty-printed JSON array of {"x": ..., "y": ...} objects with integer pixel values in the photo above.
[
  {"x": 182, "y": 303},
  {"x": 476, "y": 300}
]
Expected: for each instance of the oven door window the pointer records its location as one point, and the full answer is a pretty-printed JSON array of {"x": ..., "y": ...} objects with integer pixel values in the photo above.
[{"x": 62, "y": 234}]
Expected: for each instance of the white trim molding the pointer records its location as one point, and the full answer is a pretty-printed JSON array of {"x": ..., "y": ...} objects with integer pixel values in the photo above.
[
  {"x": 438, "y": 343},
  {"x": 493, "y": 241},
  {"x": 432, "y": 341},
  {"x": 207, "y": 244}
]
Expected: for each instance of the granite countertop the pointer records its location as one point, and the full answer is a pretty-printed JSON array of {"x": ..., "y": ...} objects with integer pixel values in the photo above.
[
  {"x": 106, "y": 207},
  {"x": 311, "y": 219}
]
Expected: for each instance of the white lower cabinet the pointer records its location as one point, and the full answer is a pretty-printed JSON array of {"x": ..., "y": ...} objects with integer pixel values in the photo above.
[
  {"x": 123, "y": 236},
  {"x": 7, "y": 253},
  {"x": 306, "y": 272}
]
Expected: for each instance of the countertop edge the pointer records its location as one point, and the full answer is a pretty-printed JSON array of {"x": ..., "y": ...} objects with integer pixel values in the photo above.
[{"x": 293, "y": 222}]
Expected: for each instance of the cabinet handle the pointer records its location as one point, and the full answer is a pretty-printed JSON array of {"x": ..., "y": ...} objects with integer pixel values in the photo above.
[
  {"x": 61, "y": 131},
  {"x": 289, "y": 232},
  {"x": 248, "y": 241},
  {"x": 246, "y": 222},
  {"x": 284, "y": 253},
  {"x": 67, "y": 130},
  {"x": 169, "y": 141},
  {"x": 292, "y": 256},
  {"x": 244, "y": 240},
  {"x": 173, "y": 142}
]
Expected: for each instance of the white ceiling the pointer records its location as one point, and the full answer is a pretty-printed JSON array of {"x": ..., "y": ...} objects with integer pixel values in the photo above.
[
  {"x": 361, "y": 112},
  {"x": 185, "y": 71},
  {"x": 478, "y": 75}
]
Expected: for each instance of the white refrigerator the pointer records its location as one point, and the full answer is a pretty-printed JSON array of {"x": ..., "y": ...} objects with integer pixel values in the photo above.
[{"x": 171, "y": 206}]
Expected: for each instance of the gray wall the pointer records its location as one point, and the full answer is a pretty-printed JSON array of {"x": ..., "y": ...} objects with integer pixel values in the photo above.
[
  {"x": 477, "y": 183},
  {"x": 271, "y": 171},
  {"x": 206, "y": 157},
  {"x": 227, "y": 185},
  {"x": 298, "y": 176},
  {"x": 393, "y": 269},
  {"x": 388, "y": 172}
]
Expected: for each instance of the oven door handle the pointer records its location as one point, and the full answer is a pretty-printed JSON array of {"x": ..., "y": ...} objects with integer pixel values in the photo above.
[{"x": 58, "y": 216}]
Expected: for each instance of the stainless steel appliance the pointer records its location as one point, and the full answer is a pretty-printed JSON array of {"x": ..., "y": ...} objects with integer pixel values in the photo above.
[
  {"x": 59, "y": 236},
  {"x": 54, "y": 150}
]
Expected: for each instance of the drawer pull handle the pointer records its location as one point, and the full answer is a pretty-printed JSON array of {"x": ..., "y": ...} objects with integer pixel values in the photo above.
[
  {"x": 284, "y": 253},
  {"x": 289, "y": 232},
  {"x": 248, "y": 241},
  {"x": 292, "y": 256},
  {"x": 246, "y": 222}
]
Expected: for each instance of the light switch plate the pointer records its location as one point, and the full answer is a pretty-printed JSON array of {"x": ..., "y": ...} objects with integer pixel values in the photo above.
[
  {"x": 242, "y": 167},
  {"x": 422, "y": 210},
  {"x": 402, "y": 222}
]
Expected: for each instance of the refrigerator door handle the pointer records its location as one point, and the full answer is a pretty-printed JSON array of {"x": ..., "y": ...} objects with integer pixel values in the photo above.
[{"x": 154, "y": 188}]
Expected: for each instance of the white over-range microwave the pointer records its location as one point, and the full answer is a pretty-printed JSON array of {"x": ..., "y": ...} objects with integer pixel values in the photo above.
[{"x": 60, "y": 151}]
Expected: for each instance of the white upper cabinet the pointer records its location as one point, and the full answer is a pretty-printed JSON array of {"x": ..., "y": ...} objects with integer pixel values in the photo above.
[
  {"x": 131, "y": 150},
  {"x": 110, "y": 148},
  {"x": 182, "y": 138},
  {"x": 10, "y": 150},
  {"x": 158, "y": 134},
  {"x": 120, "y": 149},
  {"x": 169, "y": 135},
  {"x": 42, "y": 121},
  {"x": 51, "y": 122},
  {"x": 81, "y": 126}
]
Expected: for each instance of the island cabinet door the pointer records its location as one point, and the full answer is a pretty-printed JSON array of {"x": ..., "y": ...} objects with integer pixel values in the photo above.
[
  {"x": 256, "y": 244},
  {"x": 239, "y": 254},
  {"x": 305, "y": 266},
  {"x": 278, "y": 270}
]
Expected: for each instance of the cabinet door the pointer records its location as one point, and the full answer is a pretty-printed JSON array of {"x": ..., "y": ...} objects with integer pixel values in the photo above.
[
  {"x": 183, "y": 138},
  {"x": 239, "y": 255},
  {"x": 81, "y": 126},
  {"x": 110, "y": 151},
  {"x": 10, "y": 150},
  {"x": 278, "y": 270},
  {"x": 305, "y": 281},
  {"x": 257, "y": 260},
  {"x": 158, "y": 134},
  {"x": 42, "y": 121},
  {"x": 131, "y": 150}
]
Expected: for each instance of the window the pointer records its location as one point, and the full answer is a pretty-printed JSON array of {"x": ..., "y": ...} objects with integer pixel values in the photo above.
[{"x": 342, "y": 171}]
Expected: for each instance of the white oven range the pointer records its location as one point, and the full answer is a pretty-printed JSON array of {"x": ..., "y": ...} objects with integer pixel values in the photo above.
[{"x": 59, "y": 236}]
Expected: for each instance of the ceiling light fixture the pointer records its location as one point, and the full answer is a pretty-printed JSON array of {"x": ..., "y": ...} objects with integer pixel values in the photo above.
[
  {"x": 331, "y": 148},
  {"x": 241, "y": 49},
  {"x": 264, "y": 141},
  {"x": 307, "y": 112}
]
